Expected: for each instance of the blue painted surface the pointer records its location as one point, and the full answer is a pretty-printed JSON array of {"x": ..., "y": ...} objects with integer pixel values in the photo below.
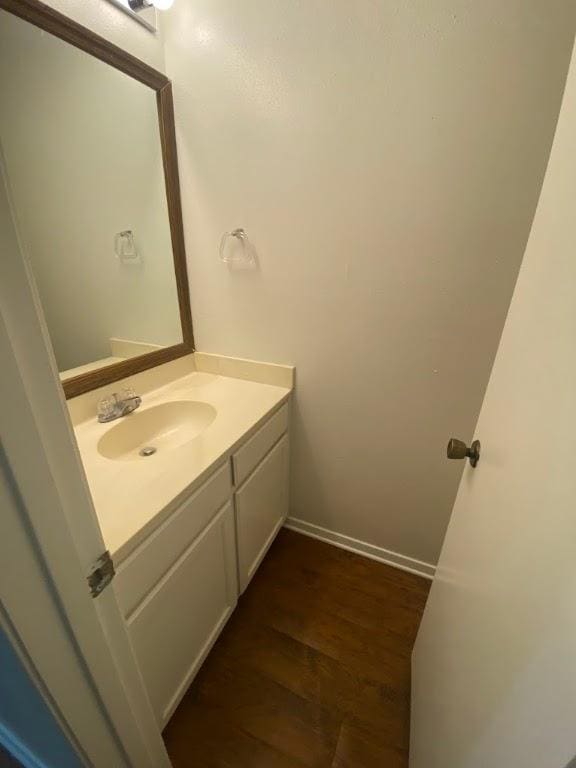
[{"x": 24, "y": 713}]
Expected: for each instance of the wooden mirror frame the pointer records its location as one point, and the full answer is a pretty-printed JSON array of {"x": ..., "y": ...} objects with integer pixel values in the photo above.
[{"x": 61, "y": 26}]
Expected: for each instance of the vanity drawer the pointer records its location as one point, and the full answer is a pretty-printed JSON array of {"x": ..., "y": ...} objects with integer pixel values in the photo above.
[
  {"x": 252, "y": 452},
  {"x": 144, "y": 567}
]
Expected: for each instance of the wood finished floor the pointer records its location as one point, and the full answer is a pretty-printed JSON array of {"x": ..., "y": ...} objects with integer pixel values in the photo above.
[{"x": 312, "y": 670}]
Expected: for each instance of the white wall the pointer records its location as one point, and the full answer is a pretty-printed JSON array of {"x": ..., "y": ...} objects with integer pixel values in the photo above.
[
  {"x": 82, "y": 149},
  {"x": 385, "y": 158},
  {"x": 494, "y": 679}
]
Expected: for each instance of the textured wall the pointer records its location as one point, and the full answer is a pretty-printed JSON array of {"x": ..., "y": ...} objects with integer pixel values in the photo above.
[{"x": 385, "y": 158}]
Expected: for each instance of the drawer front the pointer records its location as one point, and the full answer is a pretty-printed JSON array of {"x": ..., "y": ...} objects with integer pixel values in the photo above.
[
  {"x": 144, "y": 567},
  {"x": 174, "y": 628},
  {"x": 261, "y": 508},
  {"x": 252, "y": 452}
]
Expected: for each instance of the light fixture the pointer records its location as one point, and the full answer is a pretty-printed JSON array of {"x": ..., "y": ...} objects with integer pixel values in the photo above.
[{"x": 139, "y": 5}]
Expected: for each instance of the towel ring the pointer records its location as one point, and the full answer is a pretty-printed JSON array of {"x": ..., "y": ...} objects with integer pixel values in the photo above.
[{"x": 245, "y": 256}]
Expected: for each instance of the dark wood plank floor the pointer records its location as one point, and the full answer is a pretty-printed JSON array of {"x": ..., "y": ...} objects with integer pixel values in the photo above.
[{"x": 312, "y": 670}]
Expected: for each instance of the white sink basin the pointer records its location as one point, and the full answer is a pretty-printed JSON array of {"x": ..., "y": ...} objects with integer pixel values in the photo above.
[{"x": 155, "y": 430}]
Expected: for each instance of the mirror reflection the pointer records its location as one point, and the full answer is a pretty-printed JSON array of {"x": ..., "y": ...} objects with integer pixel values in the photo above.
[{"x": 81, "y": 148}]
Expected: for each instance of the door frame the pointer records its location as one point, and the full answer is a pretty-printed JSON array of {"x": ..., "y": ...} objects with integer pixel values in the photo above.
[{"x": 77, "y": 647}]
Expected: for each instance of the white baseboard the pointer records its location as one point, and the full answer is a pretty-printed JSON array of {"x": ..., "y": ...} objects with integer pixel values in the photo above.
[{"x": 362, "y": 548}]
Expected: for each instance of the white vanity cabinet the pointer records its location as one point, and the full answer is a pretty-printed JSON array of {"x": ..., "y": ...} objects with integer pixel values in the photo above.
[{"x": 180, "y": 585}]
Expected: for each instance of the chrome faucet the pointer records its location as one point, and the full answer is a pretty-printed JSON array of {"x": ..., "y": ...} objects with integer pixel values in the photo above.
[{"x": 118, "y": 404}]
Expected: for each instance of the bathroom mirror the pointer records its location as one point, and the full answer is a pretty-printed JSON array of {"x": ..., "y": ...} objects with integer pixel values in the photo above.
[{"x": 88, "y": 150}]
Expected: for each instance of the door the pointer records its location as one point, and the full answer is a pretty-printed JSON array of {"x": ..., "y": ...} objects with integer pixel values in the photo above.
[
  {"x": 76, "y": 648},
  {"x": 494, "y": 666}
]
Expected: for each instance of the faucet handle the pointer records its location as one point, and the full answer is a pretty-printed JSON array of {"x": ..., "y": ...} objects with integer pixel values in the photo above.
[
  {"x": 106, "y": 407},
  {"x": 128, "y": 401},
  {"x": 127, "y": 393}
]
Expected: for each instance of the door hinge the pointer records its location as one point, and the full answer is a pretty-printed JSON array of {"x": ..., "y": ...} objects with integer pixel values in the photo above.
[{"x": 101, "y": 575}]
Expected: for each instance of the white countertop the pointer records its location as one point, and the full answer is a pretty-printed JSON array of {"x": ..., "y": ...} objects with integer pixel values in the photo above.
[{"x": 133, "y": 497}]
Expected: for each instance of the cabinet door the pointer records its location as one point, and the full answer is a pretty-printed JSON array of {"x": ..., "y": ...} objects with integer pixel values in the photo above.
[
  {"x": 175, "y": 626},
  {"x": 261, "y": 508}
]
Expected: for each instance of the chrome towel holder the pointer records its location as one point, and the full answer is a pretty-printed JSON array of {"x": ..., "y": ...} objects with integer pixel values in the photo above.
[{"x": 242, "y": 254}]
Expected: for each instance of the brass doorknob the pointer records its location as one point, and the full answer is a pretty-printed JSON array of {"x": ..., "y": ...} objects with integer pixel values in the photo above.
[{"x": 459, "y": 450}]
